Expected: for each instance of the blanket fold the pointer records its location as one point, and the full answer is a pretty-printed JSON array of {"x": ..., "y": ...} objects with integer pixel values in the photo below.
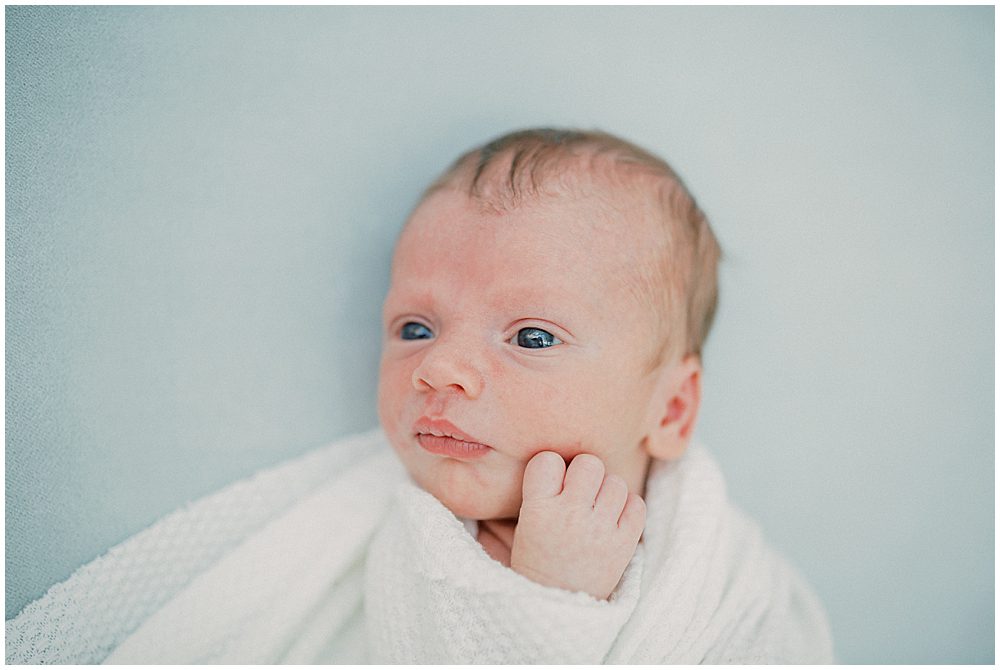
[
  {"x": 344, "y": 560},
  {"x": 287, "y": 591},
  {"x": 84, "y": 618},
  {"x": 433, "y": 595}
]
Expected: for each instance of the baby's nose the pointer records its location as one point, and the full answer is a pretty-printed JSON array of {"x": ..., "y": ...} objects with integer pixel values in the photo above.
[{"x": 448, "y": 367}]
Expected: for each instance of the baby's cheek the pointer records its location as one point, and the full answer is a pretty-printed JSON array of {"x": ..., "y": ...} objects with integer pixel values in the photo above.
[
  {"x": 549, "y": 417},
  {"x": 390, "y": 398},
  {"x": 498, "y": 371}
]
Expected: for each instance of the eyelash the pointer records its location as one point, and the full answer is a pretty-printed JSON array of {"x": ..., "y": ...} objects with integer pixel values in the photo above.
[{"x": 419, "y": 331}]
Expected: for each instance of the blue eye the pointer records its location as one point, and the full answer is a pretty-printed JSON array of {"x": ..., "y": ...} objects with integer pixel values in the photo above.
[
  {"x": 412, "y": 330},
  {"x": 536, "y": 338}
]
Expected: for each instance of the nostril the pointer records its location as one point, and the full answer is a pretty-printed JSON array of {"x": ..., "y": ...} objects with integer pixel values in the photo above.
[{"x": 420, "y": 383}]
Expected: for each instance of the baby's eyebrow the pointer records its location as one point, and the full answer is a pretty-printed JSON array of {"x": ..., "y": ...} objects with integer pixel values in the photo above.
[
  {"x": 409, "y": 296},
  {"x": 527, "y": 296},
  {"x": 542, "y": 293}
]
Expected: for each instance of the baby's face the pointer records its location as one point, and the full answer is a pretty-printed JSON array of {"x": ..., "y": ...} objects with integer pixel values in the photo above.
[{"x": 514, "y": 333}]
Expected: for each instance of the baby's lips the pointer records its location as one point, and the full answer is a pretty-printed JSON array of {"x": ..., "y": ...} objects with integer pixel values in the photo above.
[{"x": 444, "y": 428}]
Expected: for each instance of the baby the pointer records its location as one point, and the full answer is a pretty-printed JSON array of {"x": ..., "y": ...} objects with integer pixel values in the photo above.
[
  {"x": 541, "y": 377},
  {"x": 550, "y": 298},
  {"x": 540, "y": 381}
]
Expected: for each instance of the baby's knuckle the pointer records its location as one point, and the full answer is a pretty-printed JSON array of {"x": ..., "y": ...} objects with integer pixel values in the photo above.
[
  {"x": 615, "y": 482},
  {"x": 579, "y": 516},
  {"x": 536, "y": 508},
  {"x": 638, "y": 502},
  {"x": 640, "y": 510}
]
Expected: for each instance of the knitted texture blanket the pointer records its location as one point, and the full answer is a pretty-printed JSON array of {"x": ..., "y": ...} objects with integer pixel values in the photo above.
[{"x": 337, "y": 557}]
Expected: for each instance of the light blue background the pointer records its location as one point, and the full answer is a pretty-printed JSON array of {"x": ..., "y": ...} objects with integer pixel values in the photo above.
[{"x": 201, "y": 204}]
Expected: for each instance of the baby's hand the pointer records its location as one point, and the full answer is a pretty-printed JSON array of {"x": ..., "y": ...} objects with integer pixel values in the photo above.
[{"x": 577, "y": 529}]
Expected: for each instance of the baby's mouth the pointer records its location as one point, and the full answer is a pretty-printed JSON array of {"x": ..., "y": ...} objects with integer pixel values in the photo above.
[
  {"x": 449, "y": 446},
  {"x": 441, "y": 437}
]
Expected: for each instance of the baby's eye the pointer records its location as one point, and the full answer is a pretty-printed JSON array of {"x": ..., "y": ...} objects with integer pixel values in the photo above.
[
  {"x": 536, "y": 338},
  {"x": 412, "y": 330}
]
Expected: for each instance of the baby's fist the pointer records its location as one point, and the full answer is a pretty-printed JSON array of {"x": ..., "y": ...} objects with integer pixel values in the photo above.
[{"x": 578, "y": 528}]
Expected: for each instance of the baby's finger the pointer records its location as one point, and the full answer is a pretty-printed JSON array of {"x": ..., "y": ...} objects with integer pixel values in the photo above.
[
  {"x": 633, "y": 518},
  {"x": 543, "y": 476},
  {"x": 583, "y": 478},
  {"x": 496, "y": 537},
  {"x": 611, "y": 498}
]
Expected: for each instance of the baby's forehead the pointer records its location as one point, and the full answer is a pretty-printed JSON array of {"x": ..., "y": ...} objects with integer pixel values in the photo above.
[
  {"x": 608, "y": 211},
  {"x": 616, "y": 219},
  {"x": 608, "y": 246}
]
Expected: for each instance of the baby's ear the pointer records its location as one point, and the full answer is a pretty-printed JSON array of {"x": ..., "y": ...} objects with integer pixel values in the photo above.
[{"x": 674, "y": 408}]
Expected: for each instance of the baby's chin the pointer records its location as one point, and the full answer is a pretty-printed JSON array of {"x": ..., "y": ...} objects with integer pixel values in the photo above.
[
  {"x": 482, "y": 504},
  {"x": 468, "y": 490},
  {"x": 481, "y": 512}
]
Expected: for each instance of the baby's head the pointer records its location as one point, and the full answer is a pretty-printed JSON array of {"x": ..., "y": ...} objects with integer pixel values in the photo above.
[{"x": 551, "y": 292}]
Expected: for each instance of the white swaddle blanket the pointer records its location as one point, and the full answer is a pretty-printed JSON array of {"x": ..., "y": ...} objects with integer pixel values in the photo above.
[{"x": 359, "y": 565}]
